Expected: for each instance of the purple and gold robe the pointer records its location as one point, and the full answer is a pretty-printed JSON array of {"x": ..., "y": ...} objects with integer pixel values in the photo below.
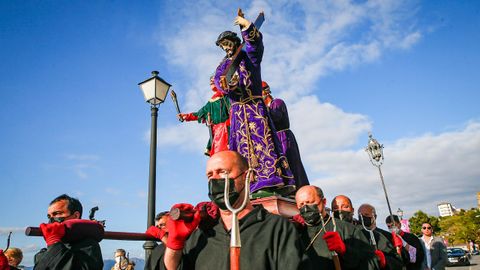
[
  {"x": 279, "y": 115},
  {"x": 252, "y": 133}
]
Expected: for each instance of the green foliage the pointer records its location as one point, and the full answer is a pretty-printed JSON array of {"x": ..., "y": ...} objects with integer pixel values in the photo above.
[
  {"x": 418, "y": 219},
  {"x": 462, "y": 227}
]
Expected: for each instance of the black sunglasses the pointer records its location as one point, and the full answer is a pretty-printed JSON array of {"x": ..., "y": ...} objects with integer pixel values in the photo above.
[{"x": 427, "y": 228}]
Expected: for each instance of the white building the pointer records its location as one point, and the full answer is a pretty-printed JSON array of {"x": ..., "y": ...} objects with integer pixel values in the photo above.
[{"x": 446, "y": 209}]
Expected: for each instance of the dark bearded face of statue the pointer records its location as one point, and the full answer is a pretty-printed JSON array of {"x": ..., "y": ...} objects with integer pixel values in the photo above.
[{"x": 228, "y": 46}]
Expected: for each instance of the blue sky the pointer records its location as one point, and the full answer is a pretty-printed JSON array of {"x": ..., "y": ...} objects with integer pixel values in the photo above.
[{"x": 74, "y": 121}]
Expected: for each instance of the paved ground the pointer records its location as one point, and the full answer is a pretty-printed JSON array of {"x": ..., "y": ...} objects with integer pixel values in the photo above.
[{"x": 475, "y": 264}]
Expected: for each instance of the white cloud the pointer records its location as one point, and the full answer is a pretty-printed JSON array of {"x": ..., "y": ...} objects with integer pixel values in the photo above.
[
  {"x": 322, "y": 126},
  {"x": 419, "y": 172},
  {"x": 187, "y": 136}
]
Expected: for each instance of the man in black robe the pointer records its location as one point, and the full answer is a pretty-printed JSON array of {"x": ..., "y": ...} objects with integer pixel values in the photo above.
[
  {"x": 268, "y": 241},
  {"x": 322, "y": 238},
  {"x": 72, "y": 243},
  {"x": 160, "y": 232},
  {"x": 411, "y": 240},
  {"x": 367, "y": 218}
]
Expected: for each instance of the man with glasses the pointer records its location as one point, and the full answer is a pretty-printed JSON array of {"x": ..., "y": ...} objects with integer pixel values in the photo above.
[
  {"x": 435, "y": 249},
  {"x": 72, "y": 243}
]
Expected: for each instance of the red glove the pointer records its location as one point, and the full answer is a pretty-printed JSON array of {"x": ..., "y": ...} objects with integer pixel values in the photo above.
[
  {"x": 79, "y": 229},
  {"x": 189, "y": 117},
  {"x": 397, "y": 241},
  {"x": 179, "y": 230},
  {"x": 52, "y": 232},
  {"x": 298, "y": 221},
  {"x": 209, "y": 214},
  {"x": 381, "y": 258},
  {"x": 156, "y": 232},
  {"x": 334, "y": 242},
  {"x": 3, "y": 261}
]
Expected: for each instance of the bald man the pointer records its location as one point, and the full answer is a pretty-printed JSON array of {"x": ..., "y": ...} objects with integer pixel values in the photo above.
[
  {"x": 268, "y": 241},
  {"x": 322, "y": 238},
  {"x": 367, "y": 217},
  {"x": 343, "y": 209}
]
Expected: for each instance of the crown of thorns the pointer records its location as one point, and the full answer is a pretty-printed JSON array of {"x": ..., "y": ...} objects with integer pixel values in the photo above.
[{"x": 228, "y": 35}]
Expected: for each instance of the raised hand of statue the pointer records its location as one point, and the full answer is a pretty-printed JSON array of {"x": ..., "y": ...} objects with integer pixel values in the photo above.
[{"x": 244, "y": 23}]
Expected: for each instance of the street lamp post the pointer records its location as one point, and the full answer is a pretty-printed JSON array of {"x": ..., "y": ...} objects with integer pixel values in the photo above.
[
  {"x": 375, "y": 153},
  {"x": 154, "y": 90}
]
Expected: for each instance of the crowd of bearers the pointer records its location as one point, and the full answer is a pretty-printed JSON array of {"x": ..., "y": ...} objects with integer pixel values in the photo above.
[
  {"x": 326, "y": 238},
  {"x": 315, "y": 239}
]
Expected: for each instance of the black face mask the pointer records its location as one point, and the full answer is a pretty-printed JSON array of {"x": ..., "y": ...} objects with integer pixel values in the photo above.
[
  {"x": 216, "y": 190},
  {"x": 56, "y": 219},
  {"x": 310, "y": 214},
  {"x": 367, "y": 221},
  {"x": 343, "y": 215}
]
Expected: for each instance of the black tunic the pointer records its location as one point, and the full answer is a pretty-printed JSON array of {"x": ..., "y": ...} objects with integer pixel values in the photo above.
[
  {"x": 413, "y": 241},
  {"x": 359, "y": 254},
  {"x": 268, "y": 242},
  {"x": 83, "y": 255},
  {"x": 156, "y": 259},
  {"x": 393, "y": 260}
]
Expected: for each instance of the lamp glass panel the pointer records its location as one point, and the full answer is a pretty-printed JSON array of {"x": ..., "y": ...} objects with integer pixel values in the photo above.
[
  {"x": 161, "y": 90},
  {"x": 148, "y": 89}
]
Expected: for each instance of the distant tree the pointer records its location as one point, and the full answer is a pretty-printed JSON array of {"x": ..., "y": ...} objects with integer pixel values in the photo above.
[
  {"x": 462, "y": 227},
  {"x": 418, "y": 219}
]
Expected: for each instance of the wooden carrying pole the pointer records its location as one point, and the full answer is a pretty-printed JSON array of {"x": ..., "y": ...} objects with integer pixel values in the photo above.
[{"x": 130, "y": 236}]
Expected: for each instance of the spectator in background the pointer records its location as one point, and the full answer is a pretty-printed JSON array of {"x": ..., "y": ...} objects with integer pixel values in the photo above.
[
  {"x": 435, "y": 249},
  {"x": 121, "y": 261},
  {"x": 14, "y": 257}
]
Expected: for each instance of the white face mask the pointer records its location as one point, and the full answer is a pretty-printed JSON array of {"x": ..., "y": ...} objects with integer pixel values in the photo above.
[
  {"x": 395, "y": 229},
  {"x": 119, "y": 259}
]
